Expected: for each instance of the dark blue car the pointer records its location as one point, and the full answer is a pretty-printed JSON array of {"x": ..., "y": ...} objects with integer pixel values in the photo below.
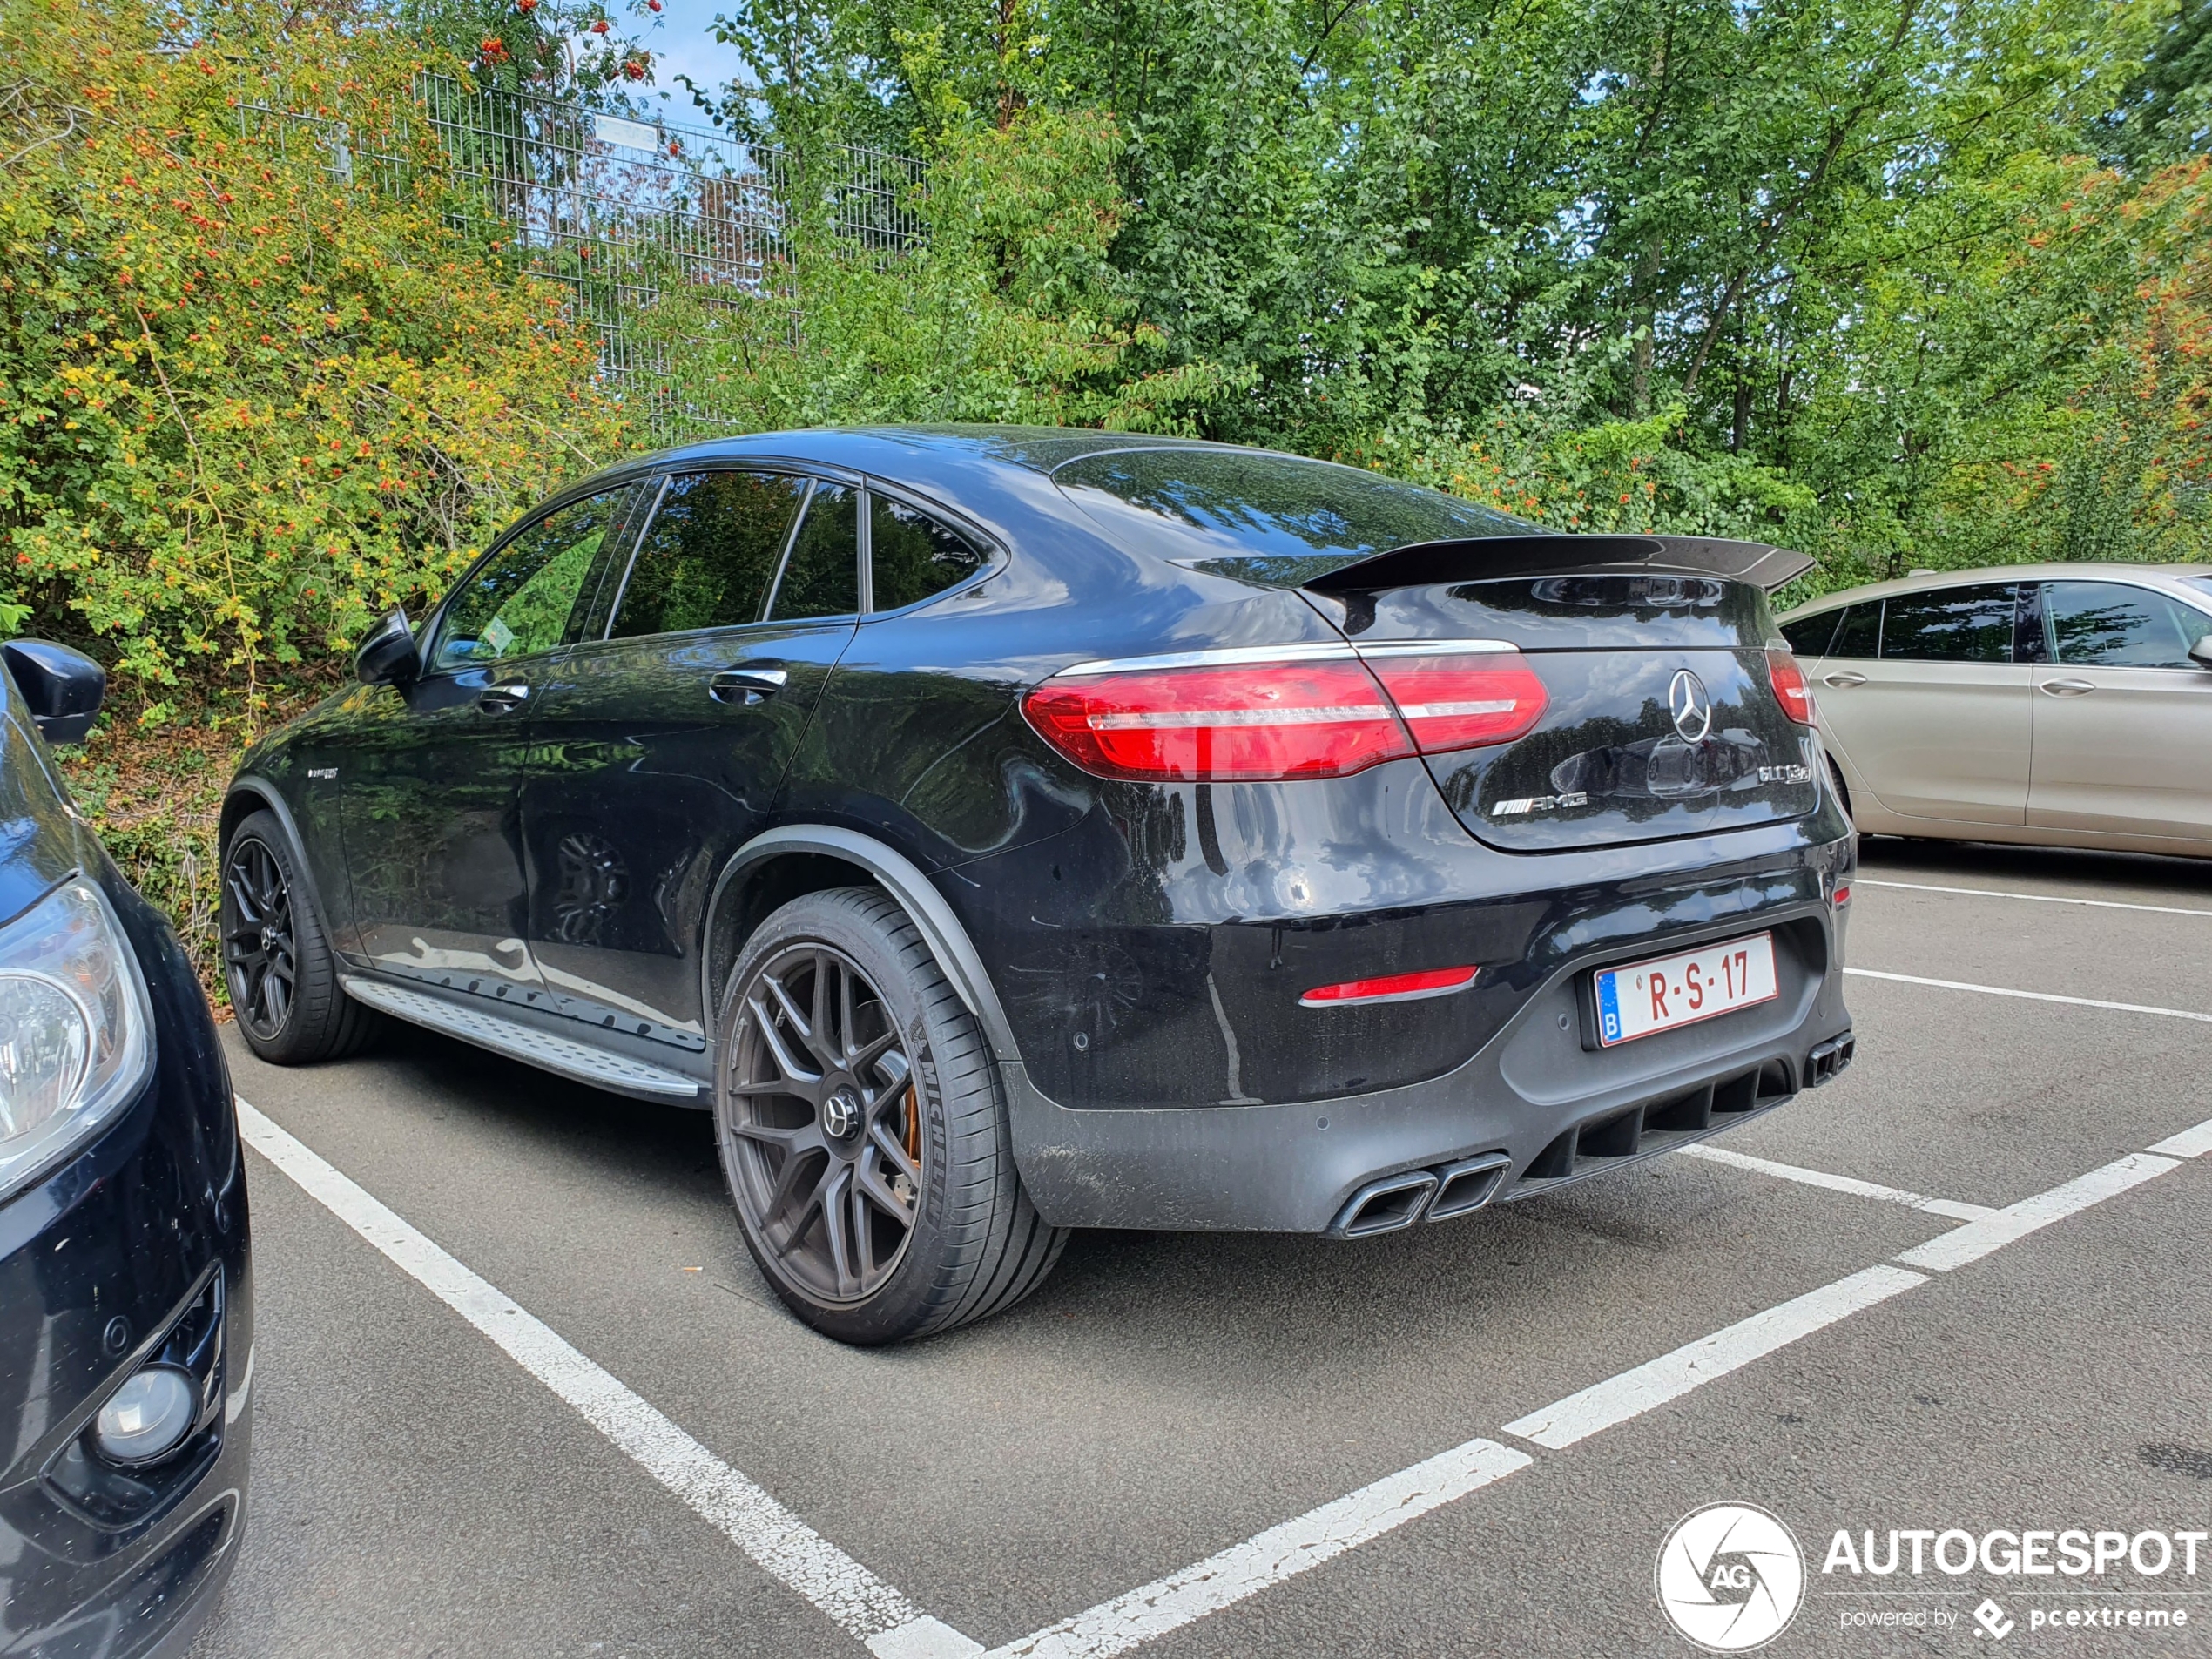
[{"x": 126, "y": 1325}]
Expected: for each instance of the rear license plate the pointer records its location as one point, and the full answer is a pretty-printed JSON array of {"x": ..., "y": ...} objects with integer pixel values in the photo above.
[{"x": 1668, "y": 991}]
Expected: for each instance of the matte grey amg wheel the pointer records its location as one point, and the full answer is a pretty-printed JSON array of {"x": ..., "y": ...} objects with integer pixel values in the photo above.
[
  {"x": 282, "y": 977},
  {"x": 862, "y": 1129}
]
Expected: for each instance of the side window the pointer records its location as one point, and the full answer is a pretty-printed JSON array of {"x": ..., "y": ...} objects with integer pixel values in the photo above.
[
  {"x": 1860, "y": 632},
  {"x": 1950, "y": 625},
  {"x": 822, "y": 577},
  {"x": 911, "y": 556},
  {"x": 2102, "y": 624},
  {"x": 710, "y": 553},
  {"x": 1809, "y": 636},
  {"x": 518, "y": 602}
]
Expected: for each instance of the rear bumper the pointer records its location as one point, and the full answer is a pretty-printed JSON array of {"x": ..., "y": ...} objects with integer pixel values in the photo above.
[{"x": 1554, "y": 1109}]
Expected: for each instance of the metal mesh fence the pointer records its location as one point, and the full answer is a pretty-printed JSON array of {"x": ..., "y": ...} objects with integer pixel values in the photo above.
[{"x": 621, "y": 209}]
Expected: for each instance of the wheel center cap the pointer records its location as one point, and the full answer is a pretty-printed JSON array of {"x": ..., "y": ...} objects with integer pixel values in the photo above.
[{"x": 841, "y": 1115}]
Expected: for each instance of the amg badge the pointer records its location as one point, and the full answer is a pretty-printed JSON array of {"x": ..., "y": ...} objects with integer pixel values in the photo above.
[{"x": 1537, "y": 804}]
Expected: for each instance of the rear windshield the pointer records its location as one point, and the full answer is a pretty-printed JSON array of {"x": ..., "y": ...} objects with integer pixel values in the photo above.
[{"x": 1271, "y": 518}]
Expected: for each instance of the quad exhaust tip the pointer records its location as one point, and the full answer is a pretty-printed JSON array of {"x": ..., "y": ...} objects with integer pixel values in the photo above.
[
  {"x": 1830, "y": 1057},
  {"x": 1398, "y": 1201}
]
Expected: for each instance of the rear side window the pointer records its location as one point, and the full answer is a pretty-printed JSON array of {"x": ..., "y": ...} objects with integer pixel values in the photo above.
[
  {"x": 710, "y": 553},
  {"x": 518, "y": 602},
  {"x": 2103, "y": 625},
  {"x": 1971, "y": 624},
  {"x": 822, "y": 578},
  {"x": 1809, "y": 636},
  {"x": 911, "y": 556},
  {"x": 1860, "y": 632}
]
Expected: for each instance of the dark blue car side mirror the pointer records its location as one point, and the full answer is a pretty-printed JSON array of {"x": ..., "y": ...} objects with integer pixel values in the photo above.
[
  {"x": 388, "y": 657},
  {"x": 62, "y": 689}
]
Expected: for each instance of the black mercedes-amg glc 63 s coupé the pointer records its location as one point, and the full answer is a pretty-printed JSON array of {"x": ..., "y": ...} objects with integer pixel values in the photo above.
[{"x": 1004, "y": 831}]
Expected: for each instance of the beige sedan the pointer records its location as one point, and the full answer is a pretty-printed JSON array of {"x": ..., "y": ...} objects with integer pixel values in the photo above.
[{"x": 2062, "y": 704}]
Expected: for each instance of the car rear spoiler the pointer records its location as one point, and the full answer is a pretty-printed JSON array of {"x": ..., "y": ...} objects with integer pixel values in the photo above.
[{"x": 1485, "y": 558}]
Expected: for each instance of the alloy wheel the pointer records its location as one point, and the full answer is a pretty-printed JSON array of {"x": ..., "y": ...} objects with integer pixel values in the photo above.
[
  {"x": 825, "y": 1125},
  {"x": 258, "y": 951}
]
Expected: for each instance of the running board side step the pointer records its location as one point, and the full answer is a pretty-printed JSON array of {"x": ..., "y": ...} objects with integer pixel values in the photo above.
[{"x": 541, "y": 1048}]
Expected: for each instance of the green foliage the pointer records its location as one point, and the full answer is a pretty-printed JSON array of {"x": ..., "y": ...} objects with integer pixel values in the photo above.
[
  {"x": 1820, "y": 271},
  {"x": 260, "y": 377},
  {"x": 1009, "y": 309}
]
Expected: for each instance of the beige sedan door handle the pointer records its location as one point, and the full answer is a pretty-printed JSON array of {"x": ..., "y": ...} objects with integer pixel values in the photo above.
[
  {"x": 1845, "y": 680},
  {"x": 2064, "y": 688}
]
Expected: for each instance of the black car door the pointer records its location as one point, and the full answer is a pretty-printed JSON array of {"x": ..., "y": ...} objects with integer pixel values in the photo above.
[
  {"x": 428, "y": 775},
  {"x": 658, "y": 750}
]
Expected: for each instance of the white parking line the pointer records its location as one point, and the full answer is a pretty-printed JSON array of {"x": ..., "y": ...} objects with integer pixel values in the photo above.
[
  {"x": 893, "y": 1628},
  {"x": 1632, "y": 1393},
  {"x": 2189, "y": 1143},
  {"x": 1635, "y": 1391},
  {"x": 2032, "y": 898},
  {"x": 1856, "y": 1187},
  {"x": 1977, "y": 1238},
  {"x": 2031, "y": 996},
  {"x": 1280, "y": 1553},
  {"x": 784, "y": 1546}
]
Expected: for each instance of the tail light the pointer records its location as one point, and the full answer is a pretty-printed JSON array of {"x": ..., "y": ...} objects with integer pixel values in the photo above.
[
  {"x": 1245, "y": 716},
  {"x": 1227, "y": 723},
  {"x": 1462, "y": 700},
  {"x": 1789, "y": 688}
]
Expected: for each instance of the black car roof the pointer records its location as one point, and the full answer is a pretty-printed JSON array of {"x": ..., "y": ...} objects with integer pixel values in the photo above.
[{"x": 1034, "y": 448}]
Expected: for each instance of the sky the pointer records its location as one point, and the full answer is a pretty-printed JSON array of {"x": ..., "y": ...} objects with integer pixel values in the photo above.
[{"x": 684, "y": 43}]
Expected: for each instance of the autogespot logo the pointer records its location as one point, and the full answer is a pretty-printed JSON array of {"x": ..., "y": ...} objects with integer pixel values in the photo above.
[{"x": 1730, "y": 1577}]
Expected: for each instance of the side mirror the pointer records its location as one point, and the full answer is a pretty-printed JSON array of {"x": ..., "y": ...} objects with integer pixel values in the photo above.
[
  {"x": 2200, "y": 652},
  {"x": 388, "y": 657},
  {"x": 62, "y": 689}
]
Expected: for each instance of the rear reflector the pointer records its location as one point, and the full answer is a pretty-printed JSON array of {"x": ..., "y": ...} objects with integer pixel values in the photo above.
[
  {"x": 1462, "y": 702},
  {"x": 1398, "y": 988},
  {"x": 1842, "y": 898},
  {"x": 1311, "y": 720},
  {"x": 1788, "y": 681}
]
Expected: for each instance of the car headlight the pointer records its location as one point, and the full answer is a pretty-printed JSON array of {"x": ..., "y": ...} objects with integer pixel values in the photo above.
[{"x": 76, "y": 1029}]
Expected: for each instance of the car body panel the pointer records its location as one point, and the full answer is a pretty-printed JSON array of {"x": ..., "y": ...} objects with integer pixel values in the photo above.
[
  {"x": 1946, "y": 740},
  {"x": 2130, "y": 756},
  {"x": 99, "y": 1257},
  {"x": 430, "y": 785},
  {"x": 615, "y": 896}
]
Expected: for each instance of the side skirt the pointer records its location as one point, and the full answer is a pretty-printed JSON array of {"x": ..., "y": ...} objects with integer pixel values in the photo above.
[{"x": 568, "y": 1057}]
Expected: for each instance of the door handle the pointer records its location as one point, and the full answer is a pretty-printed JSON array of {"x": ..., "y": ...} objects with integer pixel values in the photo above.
[
  {"x": 1845, "y": 680},
  {"x": 746, "y": 686},
  {"x": 503, "y": 699},
  {"x": 2066, "y": 688}
]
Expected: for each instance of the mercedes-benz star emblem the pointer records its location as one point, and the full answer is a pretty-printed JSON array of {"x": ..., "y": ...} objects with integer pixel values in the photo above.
[
  {"x": 839, "y": 1112},
  {"x": 1691, "y": 705}
]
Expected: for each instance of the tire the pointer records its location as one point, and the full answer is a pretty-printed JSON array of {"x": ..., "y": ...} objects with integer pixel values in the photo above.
[
  {"x": 854, "y": 1085},
  {"x": 282, "y": 976},
  {"x": 1843, "y": 790}
]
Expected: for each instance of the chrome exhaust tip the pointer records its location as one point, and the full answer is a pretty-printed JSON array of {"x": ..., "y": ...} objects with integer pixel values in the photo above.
[
  {"x": 1464, "y": 1187},
  {"x": 1386, "y": 1205}
]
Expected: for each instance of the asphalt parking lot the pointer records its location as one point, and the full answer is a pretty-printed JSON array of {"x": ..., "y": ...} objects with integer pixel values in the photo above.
[{"x": 518, "y": 1389}]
